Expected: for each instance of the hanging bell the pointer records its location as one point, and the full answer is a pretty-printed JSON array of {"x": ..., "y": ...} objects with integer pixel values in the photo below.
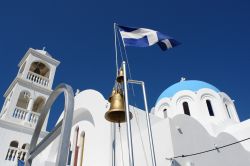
[
  {"x": 116, "y": 112},
  {"x": 112, "y": 94},
  {"x": 120, "y": 76}
]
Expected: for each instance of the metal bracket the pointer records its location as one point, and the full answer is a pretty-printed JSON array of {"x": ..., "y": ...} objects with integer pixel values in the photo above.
[{"x": 63, "y": 127}]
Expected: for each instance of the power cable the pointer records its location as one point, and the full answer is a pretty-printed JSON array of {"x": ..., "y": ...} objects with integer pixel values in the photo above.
[{"x": 206, "y": 151}]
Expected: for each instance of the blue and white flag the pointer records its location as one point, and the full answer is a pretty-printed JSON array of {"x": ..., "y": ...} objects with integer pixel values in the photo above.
[{"x": 142, "y": 37}]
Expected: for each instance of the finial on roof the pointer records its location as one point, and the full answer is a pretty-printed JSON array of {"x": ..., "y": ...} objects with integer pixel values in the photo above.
[
  {"x": 44, "y": 48},
  {"x": 77, "y": 92},
  {"x": 182, "y": 79}
]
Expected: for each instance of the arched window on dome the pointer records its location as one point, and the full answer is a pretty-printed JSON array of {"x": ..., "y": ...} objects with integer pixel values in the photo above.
[
  {"x": 186, "y": 108},
  {"x": 12, "y": 151},
  {"x": 210, "y": 108},
  {"x": 165, "y": 114},
  {"x": 228, "y": 111}
]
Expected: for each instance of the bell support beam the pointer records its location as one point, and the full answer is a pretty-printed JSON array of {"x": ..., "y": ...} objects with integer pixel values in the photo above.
[
  {"x": 129, "y": 133},
  {"x": 63, "y": 128},
  {"x": 46, "y": 141},
  {"x": 148, "y": 119}
]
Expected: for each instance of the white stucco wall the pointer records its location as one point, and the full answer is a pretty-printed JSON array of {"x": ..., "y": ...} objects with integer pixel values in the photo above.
[
  {"x": 175, "y": 135},
  {"x": 10, "y": 132}
]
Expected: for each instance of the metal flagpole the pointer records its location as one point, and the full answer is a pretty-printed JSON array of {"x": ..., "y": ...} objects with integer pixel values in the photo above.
[
  {"x": 129, "y": 133},
  {"x": 113, "y": 126},
  {"x": 116, "y": 56},
  {"x": 148, "y": 119}
]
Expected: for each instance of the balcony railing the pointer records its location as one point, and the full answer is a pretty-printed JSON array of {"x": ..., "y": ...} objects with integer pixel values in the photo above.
[
  {"x": 11, "y": 154},
  {"x": 34, "y": 117},
  {"x": 21, "y": 154},
  {"x": 20, "y": 113},
  {"x": 15, "y": 153},
  {"x": 44, "y": 81}
]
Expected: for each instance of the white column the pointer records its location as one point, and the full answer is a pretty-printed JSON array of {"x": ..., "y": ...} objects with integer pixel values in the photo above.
[
  {"x": 74, "y": 147},
  {"x": 29, "y": 109},
  {"x": 80, "y": 151}
]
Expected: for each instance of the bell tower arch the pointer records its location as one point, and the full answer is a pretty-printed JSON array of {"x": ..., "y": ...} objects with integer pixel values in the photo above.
[{"x": 30, "y": 88}]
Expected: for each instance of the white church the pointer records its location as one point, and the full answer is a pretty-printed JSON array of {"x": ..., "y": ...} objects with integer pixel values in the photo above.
[{"x": 193, "y": 124}]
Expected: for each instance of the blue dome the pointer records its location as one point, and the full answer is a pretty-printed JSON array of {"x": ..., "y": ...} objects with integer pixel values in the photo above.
[{"x": 192, "y": 85}]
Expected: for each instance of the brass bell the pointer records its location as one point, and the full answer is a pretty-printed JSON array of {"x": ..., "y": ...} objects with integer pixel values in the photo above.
[
  {"x": 112, "y": 94},
  {"x": 120, "y": 76},
  {"x": 116, "y": 112}
]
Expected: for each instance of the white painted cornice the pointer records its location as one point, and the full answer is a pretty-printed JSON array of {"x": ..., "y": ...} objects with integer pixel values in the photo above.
[
  {"x": 39, "y": 55},
  {"x": 27, "y": 84},
  {"x": 19, "y": 128}
]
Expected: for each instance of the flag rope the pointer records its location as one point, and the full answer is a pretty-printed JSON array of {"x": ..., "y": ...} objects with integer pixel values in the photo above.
[
  {"x": 133, "y": 92},
  {"x": 129, "y": 70},
  {"x": 120, "y": 48},
  {"x": 116, "y": 57}
]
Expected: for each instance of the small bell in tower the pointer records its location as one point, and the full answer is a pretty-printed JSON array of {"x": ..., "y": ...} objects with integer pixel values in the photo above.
[
  {"x": 37, "y": 69},
  {"x": 116, "y": 112},
  {"x": 120, "y": 76}
]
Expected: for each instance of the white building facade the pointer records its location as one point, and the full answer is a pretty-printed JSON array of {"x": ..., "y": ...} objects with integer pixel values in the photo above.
[{"x": 193, "y": 124}]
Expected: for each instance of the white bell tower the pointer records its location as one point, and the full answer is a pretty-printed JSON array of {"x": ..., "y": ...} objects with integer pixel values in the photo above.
[{"x": 30, "y": 89}]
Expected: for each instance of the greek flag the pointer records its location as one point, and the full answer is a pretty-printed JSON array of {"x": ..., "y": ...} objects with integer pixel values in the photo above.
[{"x": 142, "y": 37}]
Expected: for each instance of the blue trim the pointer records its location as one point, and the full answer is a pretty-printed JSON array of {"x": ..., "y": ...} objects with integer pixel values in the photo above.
[{"x": 193, "y": 85}]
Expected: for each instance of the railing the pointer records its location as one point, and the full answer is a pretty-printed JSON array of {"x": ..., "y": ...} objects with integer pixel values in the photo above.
[
  {"x": 21, "y": 154},
  {"x": 34, "y": 117},
  {"x": 11, "y": 154},
  {"x": 20, "y": 113},
  {"x": 15, "y": 153},
  {"x": 37, "y": 78}
]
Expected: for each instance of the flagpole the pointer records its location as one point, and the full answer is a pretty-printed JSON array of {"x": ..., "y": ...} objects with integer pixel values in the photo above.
[
  {"x": 116, "y": 54},
  {"x": 129, "y": 133},
  {"x": 113, "y": 127}
]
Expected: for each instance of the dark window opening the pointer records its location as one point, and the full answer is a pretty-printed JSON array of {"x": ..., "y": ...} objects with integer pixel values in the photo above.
[
  {"x": 165, "y": 113},
  {"x": 228, "y": 112},
  {"x": 210, "y": 108},
  {"x": 186, "y": 108}
]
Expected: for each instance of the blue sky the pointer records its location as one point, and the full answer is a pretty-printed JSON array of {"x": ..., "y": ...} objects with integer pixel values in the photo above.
[{"x": 215, "y": 38}]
